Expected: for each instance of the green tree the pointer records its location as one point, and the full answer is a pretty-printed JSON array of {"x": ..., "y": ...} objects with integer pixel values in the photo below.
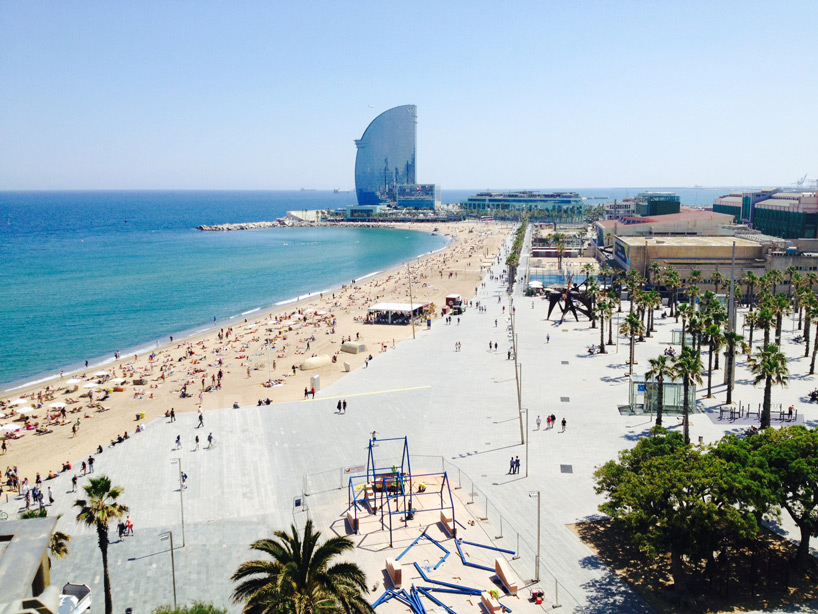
[
  {"x": 780, "y": 306},
  {"x": 301, "y": 577},
  {"x": 693, "y": 293},
  {"x": 769, "y": 366},
  {"x": 688, "y": 367},
  {"x": 603, "y": 310},
  {"x": 791, "y": 456},
  {"x": 100, "y": 507},
  {"x": 764, "y": 319},
  {"x": 750, "y": 281},
  {"x": 718, "y": 280},
  {"x": 673, "y": 498},
  {"x": 660, "y": 368},
  {"x": 672, "y": 282},
  {"x": 750, "y": 320}
]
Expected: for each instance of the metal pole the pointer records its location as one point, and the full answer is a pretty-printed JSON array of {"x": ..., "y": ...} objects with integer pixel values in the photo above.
[
  {"x": 537, "y": 579},
  {"x": 731, "y": 317},
  {"x": 411, "y": 303},
  {"x": 172, "y": 567},
  {"x": 527, "y": 437},
  {"x": 181, "y": 500}
]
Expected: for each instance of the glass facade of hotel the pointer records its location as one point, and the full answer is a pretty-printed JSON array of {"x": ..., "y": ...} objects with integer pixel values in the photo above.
[{"x": 386, "y": 156}]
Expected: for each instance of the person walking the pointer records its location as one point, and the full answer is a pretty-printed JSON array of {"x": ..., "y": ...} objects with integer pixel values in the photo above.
[
  {"x": 201, "y": 418},
  {"x": 563, "y": 425},
  {"x": 50, "y": 497},
  {"x": 74, "y": 483},
  {"x": 344, "y": 405},
  {"x": 172, "y": 415},
  {"x": 3, "y": 447},
  {"x": 210, "y": 440},
  {"x": 84, "y": 468},
  {"x": 184, "y": 480},
  {"x": 90, "y": 464},
  {"x": 511, "y": 466},
  {"x": 517, "y": 465},
  {"x": 548, "y": 338},
  {"x": 539, "y": 422},
  {"x": 197, "y": 443},
  {"x": 178, "y": 442},
  {"x": 338, "y": 407}
]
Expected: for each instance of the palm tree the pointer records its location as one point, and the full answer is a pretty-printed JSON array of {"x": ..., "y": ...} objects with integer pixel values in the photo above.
[
  {"x": 718, "y": 280},
  {"x": 695, "y": 276},
  {"x": 790, "y": 271},
  {"x": 560, "y": 253},
  {"x": 750, "y": 320},
  {"x": 781, "y": 307},
  {"x": 811, "y": 279},
  {"x": 654, "y": 269},
  {"x": 774, "y": 277},
  {"x": 660, "y": 368},
  {"x": 603, "y": 310},
  {"x": 731, "y": 339},
  {"x": 688, "y": 367},
  {"x": 633, "y": 327},
  {"x": 712, "y": 337},
  {"x": 633, "y": 280},
  {"x": 96, "y": 511},
  {"x": 686, "y": 311},
  {"x": 672, "y": 282},
  {"x": 694, "y": 292},
  {"x": 301, "y": 578},
  {"x": 750, "y": 280},
  {"x": 769, "y": 366},
  {"x": 810, "y": 314},
  {"x": 764, "y": 319}
]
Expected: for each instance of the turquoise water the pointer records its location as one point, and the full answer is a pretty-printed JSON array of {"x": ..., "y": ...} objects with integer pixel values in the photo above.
[{"x": 79, "y": 282}]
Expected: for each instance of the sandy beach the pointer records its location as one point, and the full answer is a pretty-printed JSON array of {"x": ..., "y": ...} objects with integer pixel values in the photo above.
[{"x": 234, "y": 365}]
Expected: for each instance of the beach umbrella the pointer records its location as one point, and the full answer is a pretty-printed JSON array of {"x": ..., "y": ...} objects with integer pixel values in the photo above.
[
  {"x": 57, "y": 404},
  {"x": 102, "y": 374},
  {"x": 24, "y": 410},
  {"x": 73, "y": 380},
  {"x": 9, "y": 427},
  {"x": 18, "y": 401},
  {"x": 91, "y": 385},
  {"x": 2, "y": 415}
]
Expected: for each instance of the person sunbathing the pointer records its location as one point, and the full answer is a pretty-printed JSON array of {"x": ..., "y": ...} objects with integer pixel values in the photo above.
[{"x": 51, "y": 475}]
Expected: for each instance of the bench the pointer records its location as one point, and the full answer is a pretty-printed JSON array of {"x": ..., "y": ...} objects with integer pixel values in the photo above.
[
  {"x": 448, "y": 522},
  {"x": 490, "y": 603},
  {"x": 503, "y": 572},
  {"x": 395, "y": 571},
  {"x": 369, "y": 497},
  {"x": 353, "y": 522}
]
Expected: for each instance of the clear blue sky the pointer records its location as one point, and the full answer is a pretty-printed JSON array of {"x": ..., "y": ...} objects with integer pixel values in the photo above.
[{"x": 271, "y": 95}]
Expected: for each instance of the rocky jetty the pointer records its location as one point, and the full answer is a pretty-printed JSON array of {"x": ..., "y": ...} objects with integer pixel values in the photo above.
[{"x": 281, "y": 222}]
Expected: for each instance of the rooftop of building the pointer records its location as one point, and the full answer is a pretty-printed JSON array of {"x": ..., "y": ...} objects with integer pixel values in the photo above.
[
  {"x": 686, "y": 214},
  {"x": 525, "y": 194},
  {"x": 23, "y": 543},
  {"x": 688, "y": 241}
]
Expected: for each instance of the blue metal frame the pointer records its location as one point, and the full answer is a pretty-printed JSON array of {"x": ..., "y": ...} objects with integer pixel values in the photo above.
[
  {"x": 467, "y": 563},
  {"x": 488, "y": 547}
]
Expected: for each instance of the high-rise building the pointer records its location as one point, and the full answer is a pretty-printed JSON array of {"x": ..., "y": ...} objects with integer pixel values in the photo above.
[
  {"x": 386, "y": 156},
  {"x": 790, "y": 215}
]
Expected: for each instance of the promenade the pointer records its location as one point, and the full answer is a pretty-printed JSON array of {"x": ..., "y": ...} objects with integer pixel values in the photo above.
[{"x": 458, "y": 405}]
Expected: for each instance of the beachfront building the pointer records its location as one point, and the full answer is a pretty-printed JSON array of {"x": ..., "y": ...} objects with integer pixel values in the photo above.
[
  {"x": 418, "y": 196},
  {"x": 386, "y": 156},
  {"x": 365, "y": 212},
  {"x": 789, "y": 215},
  {"x": 563, "y": 205},
  {"x": 649, "y": 204},
  {"x": 688, "y": 253},
  {"x": 688, "y": 221},
  {"x": 619, "y": 208}
]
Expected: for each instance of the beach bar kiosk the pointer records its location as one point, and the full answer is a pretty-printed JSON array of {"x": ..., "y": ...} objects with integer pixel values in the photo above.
[{"x": 395, "y": 313}]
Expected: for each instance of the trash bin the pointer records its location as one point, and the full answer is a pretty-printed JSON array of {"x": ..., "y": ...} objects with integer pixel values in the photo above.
[{"x": 315, "y": 382}]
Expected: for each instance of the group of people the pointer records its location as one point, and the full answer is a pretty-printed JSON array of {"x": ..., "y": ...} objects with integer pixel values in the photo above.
[{"x": 550, "y": 421}]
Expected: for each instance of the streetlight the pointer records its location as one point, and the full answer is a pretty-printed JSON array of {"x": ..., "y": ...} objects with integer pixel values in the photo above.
[
  {"x": 533, "y": 494},
  {"x": 527, "y": 437},
  {"x": 163, "y": 537},
  {"x": 181, "y": 500}
]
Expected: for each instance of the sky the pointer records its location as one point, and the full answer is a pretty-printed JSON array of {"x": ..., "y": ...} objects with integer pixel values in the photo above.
[{"x": 543, "y": 94}]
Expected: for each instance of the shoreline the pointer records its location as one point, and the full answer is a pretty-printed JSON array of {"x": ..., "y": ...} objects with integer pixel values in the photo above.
[
  {"x": 141, "y": 348},
  {"x": 245, "y": 358}
]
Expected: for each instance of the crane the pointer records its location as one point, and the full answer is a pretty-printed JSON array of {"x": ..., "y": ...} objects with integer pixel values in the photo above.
[{"x": 801, "y": 181}]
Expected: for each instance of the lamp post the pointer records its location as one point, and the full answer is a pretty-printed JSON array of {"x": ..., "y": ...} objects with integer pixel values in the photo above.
[
  {"x": 411, "y": 304},
  {"x": 181, "y": 499},
  {"x": 537, "y": 565},
  {"x": 527, "y": 437},
  {"x": 163, "y": 537}
]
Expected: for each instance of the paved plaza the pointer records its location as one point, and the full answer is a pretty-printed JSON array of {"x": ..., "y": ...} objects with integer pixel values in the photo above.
[{"x": 459, "y": 412}]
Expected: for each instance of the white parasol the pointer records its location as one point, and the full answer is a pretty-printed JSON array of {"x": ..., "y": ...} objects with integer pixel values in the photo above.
[
  {"x": 9, "y": 427},
  {"x": 18, "y": 401},
  {"x": 24, "y": 410},
  {"x": 57, "y": 404},
  {"x": 73, "y": 380},
  {"x": 91, "y": 385}
]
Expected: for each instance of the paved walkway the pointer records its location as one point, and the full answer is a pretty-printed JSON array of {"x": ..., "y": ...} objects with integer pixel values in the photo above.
[{"x": 461, "y": 405}]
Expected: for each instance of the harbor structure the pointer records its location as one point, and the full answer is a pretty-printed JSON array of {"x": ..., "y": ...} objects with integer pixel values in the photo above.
[
  {"x": 789, "y": 215},
  {"x": 386, "y": 156},
  {"x": 648, "y": 204}
]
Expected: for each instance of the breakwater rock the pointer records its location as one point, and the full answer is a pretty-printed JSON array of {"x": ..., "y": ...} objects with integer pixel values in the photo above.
[{"x": 279, "y": 223}]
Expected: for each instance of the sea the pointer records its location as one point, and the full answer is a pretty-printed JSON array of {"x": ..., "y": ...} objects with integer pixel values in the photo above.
[{"x": 85, "y": 274}]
